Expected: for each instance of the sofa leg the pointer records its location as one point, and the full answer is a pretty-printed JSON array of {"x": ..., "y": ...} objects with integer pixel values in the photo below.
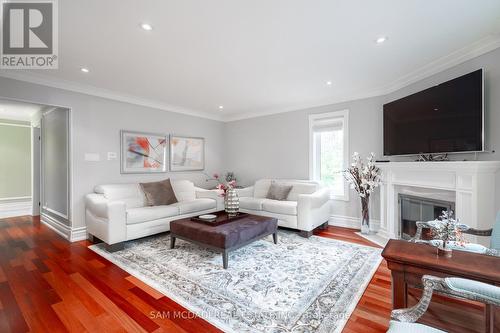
[
  {"x": 115, "y": 247},
  {"x": 306, "y": 234},
  {"x": 93, "y": 239}
]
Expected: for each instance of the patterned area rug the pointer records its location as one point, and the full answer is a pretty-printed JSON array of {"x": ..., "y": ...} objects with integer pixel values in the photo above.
[{"x": 299, "y": 285}]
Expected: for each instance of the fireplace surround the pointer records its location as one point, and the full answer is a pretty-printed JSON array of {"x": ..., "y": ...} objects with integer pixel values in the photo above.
[{"x": 472, "y": 185}]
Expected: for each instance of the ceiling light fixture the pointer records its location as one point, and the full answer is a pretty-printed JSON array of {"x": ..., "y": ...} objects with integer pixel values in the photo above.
[
  {"x": 146, "y": 26},
  {"x": 221, "y": 107},
  {"x": 85, "y": 70},
  {"x": 381, "y": 39},
  {"x": 328, "y": 83}
]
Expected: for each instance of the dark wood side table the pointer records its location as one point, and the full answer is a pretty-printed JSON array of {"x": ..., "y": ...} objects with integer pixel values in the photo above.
[{"x": 408, "y": 262}]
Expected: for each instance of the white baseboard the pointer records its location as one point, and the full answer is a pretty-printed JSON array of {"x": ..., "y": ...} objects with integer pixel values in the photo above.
[
  {"x": 71, "y": 234},
  {"x": 17, "y": 207},
  {"x": 78, "y": 234},
  {"x": 351, "y": 222}
]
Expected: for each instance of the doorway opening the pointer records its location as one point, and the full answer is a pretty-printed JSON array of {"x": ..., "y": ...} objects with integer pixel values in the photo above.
[{"x": 34, "y": 160}]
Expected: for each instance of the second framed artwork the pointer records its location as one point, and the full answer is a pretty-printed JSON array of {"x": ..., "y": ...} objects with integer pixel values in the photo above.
[{"x": 187, "y": 153}]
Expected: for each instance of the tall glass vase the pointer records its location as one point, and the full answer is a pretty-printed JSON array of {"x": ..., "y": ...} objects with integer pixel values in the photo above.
[
  {"x": 231, "y": 202},
  {"x": 365, "y": 215}
]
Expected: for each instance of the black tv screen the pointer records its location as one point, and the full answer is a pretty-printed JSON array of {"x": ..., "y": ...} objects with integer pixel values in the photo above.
[{"x": 445, "y": 118}]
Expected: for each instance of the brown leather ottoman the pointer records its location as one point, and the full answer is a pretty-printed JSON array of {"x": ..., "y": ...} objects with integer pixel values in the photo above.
[{"x": 225, "y": 234}]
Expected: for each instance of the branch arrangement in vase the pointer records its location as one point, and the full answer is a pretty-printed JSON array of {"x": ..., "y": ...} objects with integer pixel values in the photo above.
[
  {"x": 363, "y": 178},
  {"x": 449, "y": 231},
  {"x": 228, "y": 183}
]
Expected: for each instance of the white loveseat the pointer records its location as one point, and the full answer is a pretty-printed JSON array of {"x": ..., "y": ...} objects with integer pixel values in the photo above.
[
  {"x": 117, "y": 213},
  {"x": 306, "y": 207}
]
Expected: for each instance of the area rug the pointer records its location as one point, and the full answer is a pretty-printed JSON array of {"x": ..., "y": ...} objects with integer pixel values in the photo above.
[{"x": 299, "y": 285}]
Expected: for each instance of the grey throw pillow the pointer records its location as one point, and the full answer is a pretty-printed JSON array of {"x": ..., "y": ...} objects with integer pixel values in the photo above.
[
  {"x": 278, "y": 191},
  {"x": 159, "y": 193}
]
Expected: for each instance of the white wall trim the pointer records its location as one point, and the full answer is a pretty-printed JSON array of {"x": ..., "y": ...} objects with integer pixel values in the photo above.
[
  {"x": 60, "y": 228},
  {"x": 71, "y": 234},
  {"x": 457, "y": 57},
  {"x": 11, "y": 207},
  {"x": 78, "y": 234},
  {"x": 104, "y": 93},
  {"x": 351, "y": 222},
  {"x": 16, "y": 198},
  {"x": 55, "y": 212},
  {"x": 14, "y": 125},
  {"x": 480, "y": 47}
]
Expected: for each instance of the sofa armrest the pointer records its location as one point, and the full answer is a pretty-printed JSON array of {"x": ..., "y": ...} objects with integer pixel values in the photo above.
[
  {"x": 316, "y": 199},
  {"x": 97, "y": 204},
  {"x": 313, "y": 209},
  {"x": 107, "y": 220},
  {"x": 245, "y": 192},
  {"x": 210, "y": 194},
  {"x": 216, "y": 195}
]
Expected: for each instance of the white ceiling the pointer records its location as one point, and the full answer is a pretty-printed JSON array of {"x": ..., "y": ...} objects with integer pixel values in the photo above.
[
  {"x": 14, "y": 110},
  {"x": 259, "y": 56}
]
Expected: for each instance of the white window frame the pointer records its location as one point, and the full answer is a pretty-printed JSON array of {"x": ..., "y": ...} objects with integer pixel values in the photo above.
[{"x": 342, "y": 115}]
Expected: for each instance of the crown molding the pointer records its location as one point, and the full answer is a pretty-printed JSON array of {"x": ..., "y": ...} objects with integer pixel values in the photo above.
[
  {"x": 483, "y": 46},
  {"x": 103, "y": 93}
]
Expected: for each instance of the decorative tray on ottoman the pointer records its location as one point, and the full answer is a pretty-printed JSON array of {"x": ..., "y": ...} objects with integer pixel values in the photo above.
[{"x": 221, "y": 218}]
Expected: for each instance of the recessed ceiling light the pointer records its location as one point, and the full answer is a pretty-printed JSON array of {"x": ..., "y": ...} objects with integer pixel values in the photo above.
[
  {"x": 328, "y": 83},
  {"x": 381, "y": 39},
  {"x": 85, "y": 70},
  {"x": 221, "y": 107},
  {"x": 146, "y": 26}
]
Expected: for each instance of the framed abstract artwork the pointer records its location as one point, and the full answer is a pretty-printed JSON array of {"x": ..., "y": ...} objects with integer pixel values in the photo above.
[
  {"x": 143, "y": 152},
  {"x": 187, "y": 153}
]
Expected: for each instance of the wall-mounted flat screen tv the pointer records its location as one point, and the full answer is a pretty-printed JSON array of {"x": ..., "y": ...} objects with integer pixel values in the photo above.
[{"x": 446, "y": 118}]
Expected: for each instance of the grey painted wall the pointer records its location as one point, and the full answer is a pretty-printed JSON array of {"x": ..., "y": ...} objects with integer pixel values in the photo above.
[
  {"x": 270, "y": 146},
  {"x": 277, "y": 145},
  {"x": 95, "y": 127},
  {"x": 15, "y": 160}
]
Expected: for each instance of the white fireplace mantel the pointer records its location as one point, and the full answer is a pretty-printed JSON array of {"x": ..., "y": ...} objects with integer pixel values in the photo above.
[{"x": 473, "y": 184}]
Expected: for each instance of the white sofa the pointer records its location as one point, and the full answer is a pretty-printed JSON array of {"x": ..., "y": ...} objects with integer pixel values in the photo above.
[
  {"x": 306, "y": 207},
  {"x": 117, "y": 213}
]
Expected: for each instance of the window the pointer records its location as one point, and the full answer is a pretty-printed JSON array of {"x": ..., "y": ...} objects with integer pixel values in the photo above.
[{"x": 329, "y": 153}]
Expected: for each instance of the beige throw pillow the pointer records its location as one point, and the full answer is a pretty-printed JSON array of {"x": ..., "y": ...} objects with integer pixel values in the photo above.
[
  {"x": 278, "y": 191},
  {"x": 159, "y": 193}
]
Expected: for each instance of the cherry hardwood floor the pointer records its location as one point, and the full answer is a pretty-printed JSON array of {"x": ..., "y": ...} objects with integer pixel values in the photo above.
[{"x": 50, "y": 285}]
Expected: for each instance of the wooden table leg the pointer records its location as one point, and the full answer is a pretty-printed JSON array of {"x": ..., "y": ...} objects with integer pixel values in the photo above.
[
  {"x": 275, "y": 237},
  {"x": 399, "y": 290},
  {"x": 172, "y": 242},
  {"x": 489, "y": 316}
]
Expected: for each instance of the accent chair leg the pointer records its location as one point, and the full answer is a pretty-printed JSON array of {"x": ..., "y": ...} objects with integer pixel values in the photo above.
[
  {"x": 172, "y": 242},
  {"x": 306, "y": 234},
  {"x": 275, "y": 238},
  {"x": 225, "y": 259},
  {"x": 115, "y": 247}
]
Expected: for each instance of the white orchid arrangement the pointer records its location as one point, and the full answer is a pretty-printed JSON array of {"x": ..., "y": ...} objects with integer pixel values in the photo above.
[{"x": 363, "y": 177}]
